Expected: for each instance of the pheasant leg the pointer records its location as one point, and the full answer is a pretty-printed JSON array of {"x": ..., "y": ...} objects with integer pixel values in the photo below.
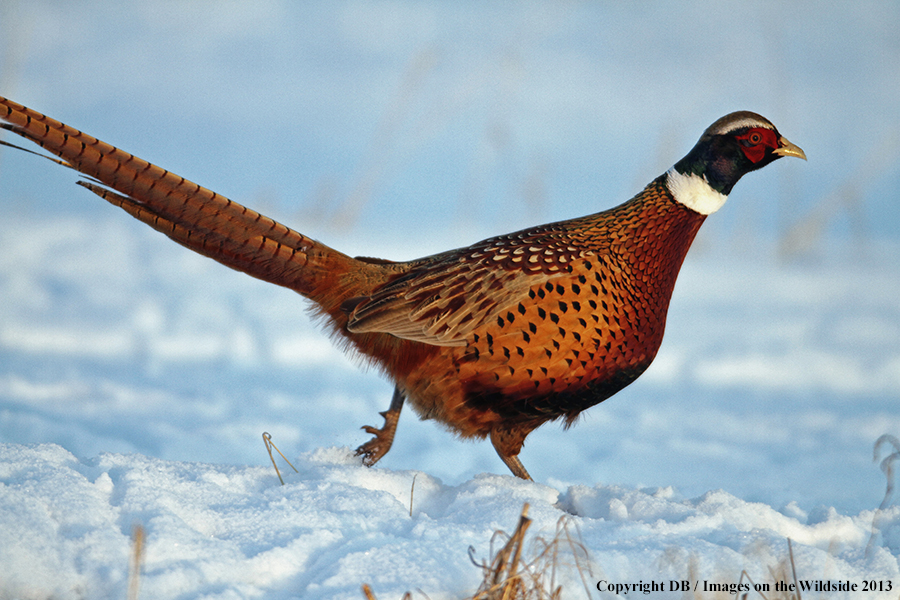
[
  {"x": 508, "y": 443},
  {"x": 373, "y": 450}
]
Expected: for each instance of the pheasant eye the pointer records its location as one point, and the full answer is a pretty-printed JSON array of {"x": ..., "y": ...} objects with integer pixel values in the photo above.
[{"x": 755, "y": 137}]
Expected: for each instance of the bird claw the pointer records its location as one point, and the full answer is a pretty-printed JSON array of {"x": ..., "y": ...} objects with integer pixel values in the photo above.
[{"x": 375, "y": 449}]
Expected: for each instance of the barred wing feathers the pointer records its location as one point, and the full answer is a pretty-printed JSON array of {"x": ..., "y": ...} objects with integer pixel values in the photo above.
[{"x": 443, "y": 298}]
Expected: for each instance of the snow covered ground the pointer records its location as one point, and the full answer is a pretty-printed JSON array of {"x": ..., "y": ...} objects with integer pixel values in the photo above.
[
  {"x": 136, "y": 379},
  {"x": 216, "y": 531}
]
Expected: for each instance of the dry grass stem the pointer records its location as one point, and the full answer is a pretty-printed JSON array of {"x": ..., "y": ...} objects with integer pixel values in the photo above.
[
  {"x": 515, "y": 573},
  {"x": 520, "y": 572},
  {"x": 367, "y": 592},
  {"x": 137, "y": 561},
  {"x": 267, "y": 440},
  {"x": 887, "y": 467},
  {"x": 784, "y": 571}
]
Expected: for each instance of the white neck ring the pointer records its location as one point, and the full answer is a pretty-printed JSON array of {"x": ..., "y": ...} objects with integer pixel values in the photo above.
[{"x": 694, "y": 192}]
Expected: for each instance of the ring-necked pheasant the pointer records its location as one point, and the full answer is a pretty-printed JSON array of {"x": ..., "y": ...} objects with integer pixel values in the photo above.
[{"x": 493, "y": 339}]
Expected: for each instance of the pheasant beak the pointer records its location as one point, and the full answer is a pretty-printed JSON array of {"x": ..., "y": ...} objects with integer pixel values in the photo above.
[{"x": 785, "y": 148}]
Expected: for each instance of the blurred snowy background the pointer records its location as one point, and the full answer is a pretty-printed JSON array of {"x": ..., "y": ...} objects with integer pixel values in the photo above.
[{"x": 398, "y": 129}]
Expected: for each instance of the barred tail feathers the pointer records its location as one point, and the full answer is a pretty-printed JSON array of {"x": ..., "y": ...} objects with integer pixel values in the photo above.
[{"x": 193, "y": 216}]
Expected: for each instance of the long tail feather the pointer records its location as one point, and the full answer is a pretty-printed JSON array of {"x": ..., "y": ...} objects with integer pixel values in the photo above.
[{"x": 193, "y": 216}]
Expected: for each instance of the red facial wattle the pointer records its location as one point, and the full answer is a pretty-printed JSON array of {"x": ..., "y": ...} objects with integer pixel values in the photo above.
[{"x": 755, "y": 142}]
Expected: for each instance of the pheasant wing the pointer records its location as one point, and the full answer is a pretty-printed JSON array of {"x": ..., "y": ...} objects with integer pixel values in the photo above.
[{"x": 441, "y": 299}]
